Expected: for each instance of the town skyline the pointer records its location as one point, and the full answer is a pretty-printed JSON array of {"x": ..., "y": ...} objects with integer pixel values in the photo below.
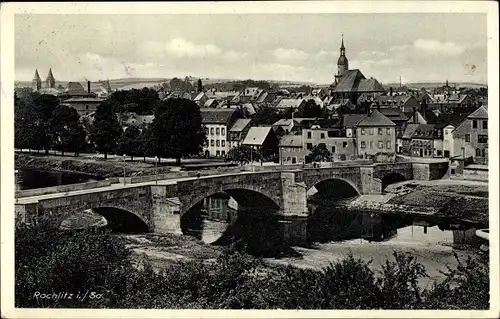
[{"x": 207, "y": 49}]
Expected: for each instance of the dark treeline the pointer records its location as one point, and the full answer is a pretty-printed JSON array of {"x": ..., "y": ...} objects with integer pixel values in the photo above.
[
  {"x": 50, "y": 260},
  {"x": 41, "y": 122}
]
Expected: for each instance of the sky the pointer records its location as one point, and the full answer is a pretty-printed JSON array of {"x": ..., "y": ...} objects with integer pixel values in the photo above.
[{"x": 428, "y": 47}]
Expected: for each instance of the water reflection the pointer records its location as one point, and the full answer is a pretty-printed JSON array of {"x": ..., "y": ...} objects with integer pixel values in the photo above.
[
  {"x": 30, "y": 178},
  {"x": 259, "y": 233}
]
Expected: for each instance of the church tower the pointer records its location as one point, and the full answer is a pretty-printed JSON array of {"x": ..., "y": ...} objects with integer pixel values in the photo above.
[
  {"x": 50, "y": 81},
  {"x": 342, "y": 63},
  {"x": 36, "y": 84}
]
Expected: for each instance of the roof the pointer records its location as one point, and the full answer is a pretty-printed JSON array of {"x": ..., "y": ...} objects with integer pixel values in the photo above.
[
  {"x": 355, "y": 81},
  {"x": 291, "y": 140},
  {"x": 375, "y": 118},
  {"x": 284, "y": 122},
  {"x": 199, "y": 96},
  {"x": 410, "y": 130},
  {"x": 216, "y": 116},
  {"x": 424, "y": 131},
  {"x": 209, "y": 102},
  {"x": 50, "y": 76},
  {"x": 75, "y": 87},
  {"x": 392, "y": 100},
  {"x": 51, "y": 91},
  {"x": 394, "y": 114},
  {"x": 286, "y": 103},
  {"x": 257, "y": 135},
  {"x": 83, "y": 100},
  {"x": 239, "y": 125},
  {"x": 351, "y": 120},
  {"x": 480, "y": 113}
]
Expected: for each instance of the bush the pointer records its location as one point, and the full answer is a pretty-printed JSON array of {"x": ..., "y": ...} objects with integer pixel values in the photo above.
[{"x": 50, "y": 260}]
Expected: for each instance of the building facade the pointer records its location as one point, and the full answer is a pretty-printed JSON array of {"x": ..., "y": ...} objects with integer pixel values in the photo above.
[
  {"x": 470, "y": 138},
  {"x": 216, "y": 123},
  {"x": 341, "y": 148},
  {"x": 375, "y": 134}
]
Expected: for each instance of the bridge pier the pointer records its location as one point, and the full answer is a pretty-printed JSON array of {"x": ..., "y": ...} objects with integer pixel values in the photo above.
[{"x": 165, "y": 211}]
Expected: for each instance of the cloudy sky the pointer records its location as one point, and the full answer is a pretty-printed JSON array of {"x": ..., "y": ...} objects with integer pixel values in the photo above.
[{"x": 300, "y": 47}]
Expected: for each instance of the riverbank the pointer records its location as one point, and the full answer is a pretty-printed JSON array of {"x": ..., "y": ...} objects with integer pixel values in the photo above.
[{"x": 92, "y": 165}]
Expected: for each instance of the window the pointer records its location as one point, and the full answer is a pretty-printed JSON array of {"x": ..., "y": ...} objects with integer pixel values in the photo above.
[
  {"x": 445, "y": 132},
  {"x": 333, "y": 149},
  {"x": 371, "y": 144},
  {"x": 223, "y": 143},
  {"x": 86, "y": 107},
  {"x": 467, "y": 137},
  {"x": 212, "y": 143},
  {"x": 308, "y": 134},
  {"x": 482, "y": 138},
  {"x": 485, "y": 125},
  {"x": 217, "y": 143},
  {"x": 212, "y": 131},
  {"x": 344, "y": 144},
  {"x": 478, "y": 152},
  {"x": 217, "y": 153},
  {"x": 380, "y": 131},
  {"x": 309, "y": 146},
  {"x": 474, "y": 124},
  {"x": 322, "y": 135},
  {"x": 439, "y": 153},
  {"x": 217, "y": 131},
  {"x": 388, "y": 131},
  {"x": 362, "y": 131},
  {"x": 222, "y": 131},
  {"x": 483, "y": 154},
  {"x": 388, "y": 145},
  {"x": 380, "y": 144},
  {"x": 223, "y": 153},
  {"x": 363, "y": 144},
  {"x": 370, "y": 131}
]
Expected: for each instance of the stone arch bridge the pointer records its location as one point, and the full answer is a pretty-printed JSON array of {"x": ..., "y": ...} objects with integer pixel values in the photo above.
[{"x": 160, "y": 205}]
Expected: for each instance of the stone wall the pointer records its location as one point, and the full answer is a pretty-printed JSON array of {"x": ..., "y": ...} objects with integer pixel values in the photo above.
[
  {"x": 294, "y": 195},
  {"x": 62, "y": 188},
  {"x": 165, "y": 210}
]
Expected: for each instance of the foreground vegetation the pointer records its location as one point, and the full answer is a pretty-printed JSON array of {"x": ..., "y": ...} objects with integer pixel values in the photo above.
[{"x": 49, "y": 261}]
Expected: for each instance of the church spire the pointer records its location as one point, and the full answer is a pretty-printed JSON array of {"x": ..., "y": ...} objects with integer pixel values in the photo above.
[
  {"x": 342, "y": 45},
  {"x": 50, "y": 81},
  {"x": 36, "y": 84}
]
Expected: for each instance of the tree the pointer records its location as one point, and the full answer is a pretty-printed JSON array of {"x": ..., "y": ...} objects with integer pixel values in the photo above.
[
  {"x": 42, "y": 107},
  {"x": 105, "y": 130},
  {"x": 266, "y": 115},
  {"x": 309, "y": 110},
  {"x": 320, "y": 153},
  {"x": 199, "y": 86},
  {"x": 243, "y": 154},
  {"x": 69, "y": 133},
  {"x": 146, "y": 142},
  {"x": 177, "y": 129},
  {"x": 129, "y": 142}
]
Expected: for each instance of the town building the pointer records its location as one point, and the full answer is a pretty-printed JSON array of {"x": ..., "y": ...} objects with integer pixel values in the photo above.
[
  {"x": 349, "y": 123},
  {"x": 216, "y": 123},
  {"x": 285, "y": 104},
  {"x": 83, "y": 105},
  {"x": 237, "y": 132},
  {"x": 292, "y": 150},
  {"x": 262, "y": 138},
  {"x": 288, "y": 125},
  {"x": 351, "y": 84},
  {"x": 341, "y": 148},
  {"x": 470, "y": 138},
  {"x": 375, "y": 134},
  {"x": 419, "y": 140}
]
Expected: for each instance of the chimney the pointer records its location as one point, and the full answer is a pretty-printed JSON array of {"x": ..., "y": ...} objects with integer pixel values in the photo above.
[
  {"x": 423, "y": 107},
  {"x": 378, "y": 107},
  {"x": 390, "y": 91},
  {"x": 88, "y": 87},
  {"x": 415, "y": 115}
]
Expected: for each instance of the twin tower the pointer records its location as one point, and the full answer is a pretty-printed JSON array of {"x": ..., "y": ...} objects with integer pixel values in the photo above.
[{"x": 50, "y": 82}]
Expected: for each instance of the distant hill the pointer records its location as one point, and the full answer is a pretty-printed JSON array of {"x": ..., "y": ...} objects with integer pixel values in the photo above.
[{"x": 419, "y": 85}]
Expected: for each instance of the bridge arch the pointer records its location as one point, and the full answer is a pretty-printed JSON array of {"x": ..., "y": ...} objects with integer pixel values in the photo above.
[
  {"x": 246, "y": 197},
  {"x": 349, "y": 187},
  {"x": 123, "y": 220},
  {"x": 392, "y": 178}
]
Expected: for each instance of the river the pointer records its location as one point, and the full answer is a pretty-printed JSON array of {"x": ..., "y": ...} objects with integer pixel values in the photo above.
[{"x": 331, "y": 234}]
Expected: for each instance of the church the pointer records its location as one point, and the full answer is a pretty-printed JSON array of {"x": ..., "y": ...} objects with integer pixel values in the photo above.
[
  {"x": 50, "y": 82},
  {"x": 350, "y": 84}
]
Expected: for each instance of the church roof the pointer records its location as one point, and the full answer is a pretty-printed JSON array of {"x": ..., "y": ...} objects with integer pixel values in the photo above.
[
  {"x": 50, "y": 76},
  {"x": 342, "y": 60},
  {"x": 37, "y": 76},
  {"x": 355, "y": 81}
]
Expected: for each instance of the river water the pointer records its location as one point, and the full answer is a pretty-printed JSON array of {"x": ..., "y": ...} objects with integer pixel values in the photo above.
[{"x": 332, "y": 235}]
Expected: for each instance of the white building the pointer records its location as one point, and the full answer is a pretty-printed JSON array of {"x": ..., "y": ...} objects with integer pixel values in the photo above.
[{"x": 216, "y": 123}]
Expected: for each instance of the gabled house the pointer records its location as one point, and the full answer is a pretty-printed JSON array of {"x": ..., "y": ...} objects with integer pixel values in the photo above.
[
  {"x": 285, "y": 104},
  {"x": 237, "y": 132},
  {"x": 262, "y": 138},
  {"x": 216, "y": 123},
  {"x": 470, "y": 138},
  {"x": 288, "y": 125},
  {"x": 291, "y": 150},
  {"x": 375, "y": 133}
]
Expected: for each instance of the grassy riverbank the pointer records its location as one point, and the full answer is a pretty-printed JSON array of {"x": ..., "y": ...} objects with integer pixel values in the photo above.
[{"x": 93, "y": 165}]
